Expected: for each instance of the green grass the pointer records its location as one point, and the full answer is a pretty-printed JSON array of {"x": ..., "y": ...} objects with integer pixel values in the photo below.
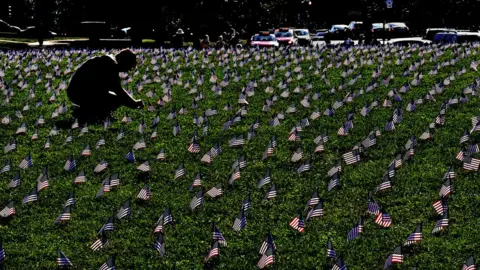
[{"x": 31, "y": 239}]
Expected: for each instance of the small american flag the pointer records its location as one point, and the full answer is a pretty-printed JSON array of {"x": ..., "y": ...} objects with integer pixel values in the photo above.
[
  {"x": 395, "y": 257},
  {"x": 373, "y": 207},
  {"x": 334, "y": 181},
  {"x": 86, "y": 151},
  {"x": 71, "y": 200},
  {"x": 267, "y": 243},
  {"x": 271, "y": 193},
  {"x": 62, "y": 260},
  {"x": 383, "y": 219},
  {"x": 197, "y": 200},
  {"x": 213, "y": 252},
  {"x": 8, "y": 211},
  {"x": 80, "y": 179},
  {"x": 217, "y": 236},
  {"x": 103, "y": 165},
  {"x": 441, "y": 223},
  {"x": 415, "y": 236},
  {"x": 108, "y": 225},
  {"x": 446, "y": 189},
  {"x": 386, "y": 183},
  {"x": 339, "y": 265},
  {"x": 65, "y": 216},
  {"x": 194, "y": 147},
  {"x": 161, "y": 155},
  {"x": 356, "y": 230},
  {"x": 11, "y": 146},
  {"x": 266, "y": 179},
  {"x": 26, "y": 162},
  {"x": 144, "y": 167},
  {"x": 469, "y": 264},
  {"x": 306, "y": 166},
  {"x": 6, "y": 167},
  {"x": 15, "y": 182},
  {"x": 440, "y": 206},
  {"x": 100, "y": 143},
  {"x": 144, "y": 193},
  {"x": 124, "y": 210},
  {"x": 42, "y": 183},
  {"x": 180, "y": 172},
  {"x": 160, "y": 245},
  {"x": 235, "y": 175},
  {"x": 31, "y": 197},
  {"x": 316, "y": 211},
  {"x": 108, "y": 265},
  {"x": 297, "y": 223},
  {"x": 240, "y": 221},
  {"x": 268, "y": 258},
  {"x": 215, "y": 191},
  {"x": 330, "y": 251},
  {"x": 140, "y": 145},
  {"x": 70, "y": 164}
]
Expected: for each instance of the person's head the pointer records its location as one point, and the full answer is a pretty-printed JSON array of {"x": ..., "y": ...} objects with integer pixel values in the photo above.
[
  {"x": 220, "y": 38},
  {"x": 126, "y": 60}
]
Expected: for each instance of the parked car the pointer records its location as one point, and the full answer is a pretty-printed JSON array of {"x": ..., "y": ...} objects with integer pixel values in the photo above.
[
  {"x": 7, "y": 28},
  {"x": 285, "y": 36},
  {"x": 339, "y": 32},
  {"x": 319, "y": 35},
  {"x": 31, "y": 32},
  {"x": 264, "y": 39},
  {"x": 356, "y": 28},
  {"x": 398, "y": 30},
  {"x": 456, "y": 37},
  {"x": 303, "y": 36},
  {"x": 95, "y": 30},
  {"x": 431, "y": 32},
  {"x": 409, "y": 41}
]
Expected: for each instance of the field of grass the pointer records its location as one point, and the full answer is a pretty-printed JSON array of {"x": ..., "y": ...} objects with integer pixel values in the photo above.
[{"x": 31, "y": 238}]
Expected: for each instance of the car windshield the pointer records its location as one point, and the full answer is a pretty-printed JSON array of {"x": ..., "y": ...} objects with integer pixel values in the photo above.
[
  {"x": 431, "y": 34},
  {"x": 319, "y": 34},
  {"x": 396, "y": 25},
  {"x": 377, "y": 25},
  {"x": 283, "y": 34},
  {"x": 301, "y": 33},
  {"x": 263, "y": 38},
  {"x": 338, "y": 27}
]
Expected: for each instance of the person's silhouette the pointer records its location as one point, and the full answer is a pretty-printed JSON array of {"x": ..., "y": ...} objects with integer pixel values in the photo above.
[{"x": 95, "y": 89}]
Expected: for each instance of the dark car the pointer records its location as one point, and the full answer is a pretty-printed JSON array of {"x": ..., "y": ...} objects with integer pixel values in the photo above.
[
  {"x": 378, "y": 31},
  {"x": 356, "y": 28},
  {"x": 339, "y": 32},
  {"x": 31, "y": 32},
  {"x": 431, "y": 32},
  {"x": 456, "y": 37},
  {"x": 95, "y": 30},
  {"x": 319, "y": 35},
  {"x": 9, "y": 29},
  {"x": 398, "y": 30}
]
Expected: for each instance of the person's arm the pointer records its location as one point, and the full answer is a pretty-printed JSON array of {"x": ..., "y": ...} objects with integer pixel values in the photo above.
[{"x": 123, "y": 95}]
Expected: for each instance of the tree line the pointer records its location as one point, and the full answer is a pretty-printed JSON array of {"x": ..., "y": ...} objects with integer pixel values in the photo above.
[{"x": 216, "y": 16}]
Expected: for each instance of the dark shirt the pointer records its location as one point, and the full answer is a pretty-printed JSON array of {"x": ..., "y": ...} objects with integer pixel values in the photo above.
[{"x": 94, "y": 78}]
